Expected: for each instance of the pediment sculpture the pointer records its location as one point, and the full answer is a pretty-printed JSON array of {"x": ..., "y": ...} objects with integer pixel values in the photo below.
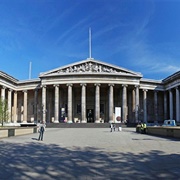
[{"x": 88, "y": 67}]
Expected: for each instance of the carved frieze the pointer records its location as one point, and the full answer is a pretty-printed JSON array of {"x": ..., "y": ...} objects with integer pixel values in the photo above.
[{"x": 89, "y": 67}]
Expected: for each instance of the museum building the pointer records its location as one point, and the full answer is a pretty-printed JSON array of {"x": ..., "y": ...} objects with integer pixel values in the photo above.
[{"x": 91, "y": 91}]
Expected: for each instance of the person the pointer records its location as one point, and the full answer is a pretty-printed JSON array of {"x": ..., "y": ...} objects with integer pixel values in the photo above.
[
  {"x": 41, "y": 130},
  {"x": 119, "y": 128},
  {"x": 90, "y": 116},
  {"x": 111, "y": 126},
  {"x": 143, "y": 128},
  {"x": 114, "y": 126}
]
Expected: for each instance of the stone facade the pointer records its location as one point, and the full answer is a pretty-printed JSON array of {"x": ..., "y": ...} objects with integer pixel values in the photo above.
[{"x": 90, "y": 91}]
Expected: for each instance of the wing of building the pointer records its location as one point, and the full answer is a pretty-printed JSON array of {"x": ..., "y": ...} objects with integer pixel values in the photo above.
[{"x": 91, "y": 91}]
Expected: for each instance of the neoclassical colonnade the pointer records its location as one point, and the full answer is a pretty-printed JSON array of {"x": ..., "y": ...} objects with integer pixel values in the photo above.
[
  {"x": 170, "y": 104},
  {"x": 140, "y": 97},
  {"x": 83, "y": 102},
  {"x": 172, "y": 98}
]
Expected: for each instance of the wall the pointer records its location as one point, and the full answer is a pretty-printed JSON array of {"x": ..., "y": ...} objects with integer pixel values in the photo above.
[{"x": 16, "y": 131}]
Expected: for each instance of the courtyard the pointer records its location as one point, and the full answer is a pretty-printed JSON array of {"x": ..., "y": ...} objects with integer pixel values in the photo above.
[{"x": 89, "y": 153}]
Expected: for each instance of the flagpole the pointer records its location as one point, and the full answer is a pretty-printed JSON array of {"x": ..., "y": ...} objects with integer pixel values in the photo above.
[
  {"x": 30, "y": 64},
  {"x": 90, "y": 43}
]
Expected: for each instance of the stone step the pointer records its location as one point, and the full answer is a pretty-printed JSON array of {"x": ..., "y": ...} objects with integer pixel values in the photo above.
[{"x": 81, "y": 125}]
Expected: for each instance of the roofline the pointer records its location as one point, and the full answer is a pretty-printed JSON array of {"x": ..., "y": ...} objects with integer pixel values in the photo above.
[
  {"x": 29, "y": 81},
  {"x": 7, "y": 76},
  {"x": 173, "y": 76},
  {"x": 151, "y": 80}
]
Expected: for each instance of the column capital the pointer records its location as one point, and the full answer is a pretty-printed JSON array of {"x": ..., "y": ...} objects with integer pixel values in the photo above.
[
  {"x": 10, "y": 90},
  {"x": 137, "y": 86},
  {"x": 145, "y": 90},
  {"x": 4, "y": 87},
  {"x": 36, "y": 89},
  {"x": 56, "y": 85},
  {"x": 69, "y": 84},
  {"x": 25, "y": 91},
  {"x": 83, "y": 84},
  {"x": 124, "y": 85},
  {"x": 43, "y": 86},
  {"x": 97, "y": 84},
  {"x": 177, "y": 87},
  {"x": 110, "y": 84}
]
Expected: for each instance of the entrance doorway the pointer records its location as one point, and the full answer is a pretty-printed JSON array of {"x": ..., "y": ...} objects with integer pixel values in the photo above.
[{"x": 90, "y": 115}]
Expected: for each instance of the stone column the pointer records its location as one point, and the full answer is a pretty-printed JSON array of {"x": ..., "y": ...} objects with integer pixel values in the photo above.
[
  {"x": 177, "y": 105},
  {"x": 165, "y": 105},
  {"x": 3, "y": 93},
  {"x": 56, "y": 106},
  {"x": 25, "y": 107},
  {"x": 137, "y": 104},
  {"x": 69, "y": 103},
  {"x": 134, "y": 104},
  {"x": 15, "y": 107},
  {"x": 124, "y": 103},
  {"x": 9, "y": 105},
  {"x": 35, "y": 105},
  {"x": 111, "y": 103},
  {"x": 155, "y": 106},
  {"x": 170, "y": 104},
  {"x": 97, "y": 103},
  {"x": 145, "y": 104},
  {"x": 43, "y": 103},
  {"x": 83, "y": 103}
]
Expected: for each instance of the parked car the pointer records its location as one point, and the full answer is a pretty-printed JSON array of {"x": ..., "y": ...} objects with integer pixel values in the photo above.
[{"x": 169, "y": 122}]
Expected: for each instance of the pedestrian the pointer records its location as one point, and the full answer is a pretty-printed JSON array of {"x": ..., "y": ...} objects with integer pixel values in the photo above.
[
  {"x": 114, "y": 126},
  {"x": 111, "y": 126},
  {"x": 41, "y": 130},
  {"x": 119, "y": 128},
  {"x": 143, "y": 128}
]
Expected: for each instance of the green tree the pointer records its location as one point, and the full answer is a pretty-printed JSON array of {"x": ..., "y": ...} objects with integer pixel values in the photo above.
[{"x": 3, "y": 111}]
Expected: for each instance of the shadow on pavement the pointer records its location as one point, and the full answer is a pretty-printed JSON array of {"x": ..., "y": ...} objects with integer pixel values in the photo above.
[{"x": 38, "y": 160}]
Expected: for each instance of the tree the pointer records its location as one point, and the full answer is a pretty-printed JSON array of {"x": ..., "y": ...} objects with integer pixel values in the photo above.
[{"x": 3, "y": 111}]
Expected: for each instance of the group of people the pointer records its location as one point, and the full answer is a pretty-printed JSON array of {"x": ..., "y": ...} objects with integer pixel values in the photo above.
[{"x": 113, "y": 127}]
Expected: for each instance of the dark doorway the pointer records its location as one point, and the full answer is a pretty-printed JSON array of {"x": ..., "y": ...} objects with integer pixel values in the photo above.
[{"x": 90, "y": 115}]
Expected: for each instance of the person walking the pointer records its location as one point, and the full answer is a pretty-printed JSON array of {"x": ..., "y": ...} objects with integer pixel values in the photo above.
[
  {"x": 119, "y": 128},
  {"x": 114, "y": 126},
  {"x": 111, "y": 126},
  {"x": 41, "y": 130}
]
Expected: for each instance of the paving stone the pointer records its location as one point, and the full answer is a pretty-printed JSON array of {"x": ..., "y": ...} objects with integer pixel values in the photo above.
[{"x": 89, "y": 153}]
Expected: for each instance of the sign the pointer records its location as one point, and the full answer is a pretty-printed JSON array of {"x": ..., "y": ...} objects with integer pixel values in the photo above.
[{"x": 117, "y": 115}]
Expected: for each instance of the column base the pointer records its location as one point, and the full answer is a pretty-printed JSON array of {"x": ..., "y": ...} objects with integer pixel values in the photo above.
[
  {"x": 56, "y": 121},
  {"x": 69, "y": 121},
  {"x": 83, "y": 121},
  {"x": 97, "y": 121}
]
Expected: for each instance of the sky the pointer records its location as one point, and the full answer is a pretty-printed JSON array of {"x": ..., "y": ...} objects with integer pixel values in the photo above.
[{"x": 138, "y": 35}]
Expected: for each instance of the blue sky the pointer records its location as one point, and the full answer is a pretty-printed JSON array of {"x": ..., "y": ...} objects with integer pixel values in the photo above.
[{"x": 139, "y": 35}]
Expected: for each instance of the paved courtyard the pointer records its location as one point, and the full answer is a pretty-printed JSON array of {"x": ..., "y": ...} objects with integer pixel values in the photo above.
[{"x": 85, "y": 154}]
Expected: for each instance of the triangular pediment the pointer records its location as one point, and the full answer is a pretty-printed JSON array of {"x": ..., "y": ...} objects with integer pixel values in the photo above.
[{"x": 90, "y": 66}]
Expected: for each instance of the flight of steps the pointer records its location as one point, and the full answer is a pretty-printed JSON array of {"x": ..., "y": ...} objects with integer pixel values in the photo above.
[{"x": 83, "y": 125}]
